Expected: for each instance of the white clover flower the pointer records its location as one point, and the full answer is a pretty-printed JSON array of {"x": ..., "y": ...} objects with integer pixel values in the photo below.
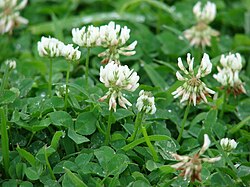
[
  {"x": 61, "y": 90},
  {"x": 71, "y": 53},
  {"x": 207, "y": 14},
  {"x": 50, "y": 47},
  {"x": 11, "y": 64},
  {"x": 193, "y": 89},
  {"x": 228, "y": 75},
  {"x": 117, "y": 78},
  {"x": 225, "y": 76},
  {"x": 228, "y": 144},
  {"x": 113, "y": 37},
  {"x": 10, "y": 15},
  {"x": 201, "y": 33},
  {"x": 232, "y": 61},
  {"x": 146, "y": 102},
  {"x": 191, "y": 166},
  {"x": 86, "y": 36}
]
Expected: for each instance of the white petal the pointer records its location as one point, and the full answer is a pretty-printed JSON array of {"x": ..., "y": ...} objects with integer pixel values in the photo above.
[
  {"x": 179, "y": 76},
  {"x": 206, "y": 144}
]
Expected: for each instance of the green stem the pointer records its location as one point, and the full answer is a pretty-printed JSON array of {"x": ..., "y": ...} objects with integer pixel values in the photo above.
[
  {"x": 218, "y": 171},
  {"x": 107, "y": 137},
  {"x": 4, "y": 80},
  {"x": 183, "y": 122},
  {"x": 87, "y": 67},
  {"x": 239, "y": 125},
  {"x": 67, "y": 87},
  {"x": 48, "y": 164},
  {"x": 151, "y": 147},
  {"x": 138, "y": 122},
  {"x": 223, "y": 104},
  {"x": 5, "y": 142},
  {"x": 50, "y": 78},
  {"x": 159, "y": 14},
  {"x": 100, "y": 129},
  {"x": 31, "y": 137}
]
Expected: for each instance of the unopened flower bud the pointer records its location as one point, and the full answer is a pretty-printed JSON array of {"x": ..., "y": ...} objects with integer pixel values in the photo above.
[
  {"x": 228, "y": 144},
  {"x": 146, "y": 102},
  {"x": 11, "y": 64}
]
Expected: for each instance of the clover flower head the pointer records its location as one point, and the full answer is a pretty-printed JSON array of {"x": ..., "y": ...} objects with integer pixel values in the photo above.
[
  {"x": 114, "y": 37},
  {"x": 146, "y": 102},
  {"x": 86, "y": 36},
  {"x": 228, "y": 75},
  {"x": 50, "y": 47},
  {"x": 205, "y": 14},
  {"x": 11, "y": 64},
  {"x": 117, "y": 78},
  {"x": 71, "y": 53},
  {"x": 232, "y": 61},
  {"x": 10, "y": 15},
  {"x": 200, "y": 35},
  {"x": 228, "y": 144},
  {"x": 191, "y": 165},
  {"x": 193, "y": 89},
  {"x": 225, "y": 76}
]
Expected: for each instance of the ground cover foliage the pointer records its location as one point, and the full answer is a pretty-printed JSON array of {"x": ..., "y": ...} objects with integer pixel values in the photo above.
[{"x": 45, "y": 142}]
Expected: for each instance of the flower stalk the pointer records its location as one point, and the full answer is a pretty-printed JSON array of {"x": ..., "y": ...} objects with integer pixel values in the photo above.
[
  {"x": 138, "y": 122},
  {"x": 223, "y": 104},
  {"x": 5, "y": 142},
  {"x": 4, "y": 80},
  {"x": 67, "y": 87},
  {"x": 149, "y": 144},
  {"x": 108, "y": 130},
  {"x": 87, "y": 68},
  {"x": 50, "y": 78},
  {"x": 48, "y": 164},
  {"x": 183, "y": 122}
]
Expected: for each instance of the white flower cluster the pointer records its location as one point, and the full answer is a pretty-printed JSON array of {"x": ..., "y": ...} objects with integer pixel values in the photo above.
[
  {"x": 10, "y": 15},
  {"x": 52, "y": 47},
  {"x": 207, "y": 14},
  {"x": 146, "y": 102},
  {"x": 114, "y": 38},
  {"x": 191, "y": 166},
  {"x": 86, "y": 37},
  {"x": 228, "y": 144},
  {"x": 11, "y": 64},
  {"x": 228, "y": 75},
  {"x": 193, "y": 88},
  {"x": 117, "y": 78},
  {"x": 201, "y": 33},
  {"x": 71, "y": 53},
  {"x": 110, "y": 36}
]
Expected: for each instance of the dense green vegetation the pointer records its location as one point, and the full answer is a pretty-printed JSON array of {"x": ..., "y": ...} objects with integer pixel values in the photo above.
[{"x": 60, "y": 137}]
